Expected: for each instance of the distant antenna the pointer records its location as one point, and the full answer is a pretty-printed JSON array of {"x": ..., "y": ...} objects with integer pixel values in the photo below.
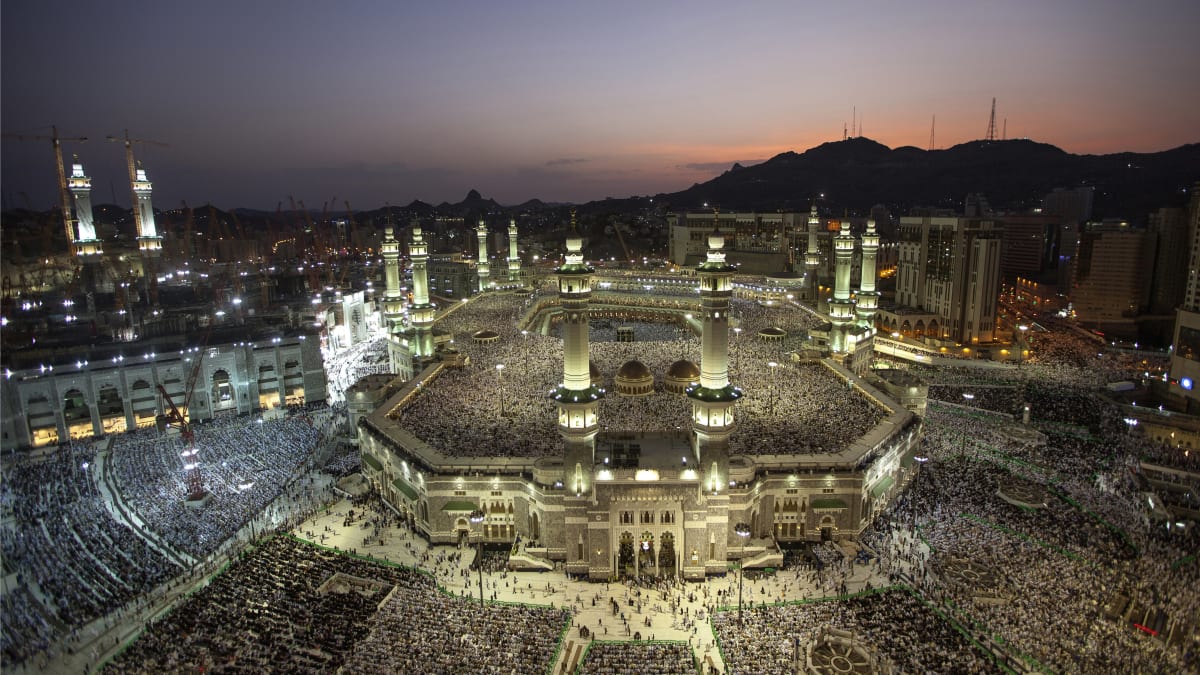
[
  {"x": 854, "y": 122},
  {"x": 843, "y": 131},
  {"x": 1004, "y": 134},
  {"x": 991, "y": 132},
  {"x": 932, "y": 127}
]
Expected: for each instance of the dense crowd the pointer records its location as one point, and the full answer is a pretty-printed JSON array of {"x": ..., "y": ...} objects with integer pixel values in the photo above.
[
  {"x": 420, "y": 630},
  {"x": 244, "y": 465},
  {"x": 1056, "y": 564},
  {"x": 72, "y": 558},
  {"x": 761, "y": 644},
  {"x": 655, "y": 658},
  {"x": 289, "y": 606},
  {"x": 346, "y": 367},
  {"x": 481, "y": 410}
]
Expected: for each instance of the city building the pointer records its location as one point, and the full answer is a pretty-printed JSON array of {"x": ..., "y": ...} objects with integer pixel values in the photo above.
[
  {"x": 949, "y": 267},
  {"x": 1185, "y": 347},
  {"x": 1110, "y": 283}
]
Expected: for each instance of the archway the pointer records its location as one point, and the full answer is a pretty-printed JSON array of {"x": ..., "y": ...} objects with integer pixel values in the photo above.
[
  {"x": 268, "y": 387},
  {"x": 293, "y": 383},
  {"x": 145, "y": 406},
  {"x": 77, "y": 415},
  {"x": 625, "y": 555},
  {"x": 111, "y": 410},
  {"x": 40, "y": 416},
  {"x": 223, "y": 395},
  {"x": 666, "y": 556},
  {"x": 646, "y": 558}
]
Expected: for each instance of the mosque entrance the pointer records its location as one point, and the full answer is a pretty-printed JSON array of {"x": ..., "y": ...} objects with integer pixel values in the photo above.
[
  {"x": 666, "y": 556},
  {"x": 646, "y": 558},
  {"x": 625, "y": 565}
]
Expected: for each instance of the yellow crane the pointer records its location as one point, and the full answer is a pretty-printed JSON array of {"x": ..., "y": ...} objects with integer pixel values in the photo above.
[{"x": 63, "y": 195}]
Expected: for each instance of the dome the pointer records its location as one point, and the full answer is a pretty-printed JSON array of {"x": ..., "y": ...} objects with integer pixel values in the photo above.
[
  {"x": 680, "y": 376},
  {"x": 772, "y": 333},
  {"x": 634, "y": 379},
  {"x": 485, "y": 336},
  {"x": 683, "y": 370},
  {"x": 634, "y": 370}
]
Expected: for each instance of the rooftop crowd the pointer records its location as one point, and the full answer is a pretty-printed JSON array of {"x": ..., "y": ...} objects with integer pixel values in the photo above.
[
  {"x": 480, "y": 410},
  {"x": 245, "y": 464}
]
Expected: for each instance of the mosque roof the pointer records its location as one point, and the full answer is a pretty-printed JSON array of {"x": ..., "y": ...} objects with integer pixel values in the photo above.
[
  {"x": 683, "y": 370},
  {"x": 634, "y": 370}
]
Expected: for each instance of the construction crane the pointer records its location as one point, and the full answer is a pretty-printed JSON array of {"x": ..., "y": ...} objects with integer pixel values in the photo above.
[
  {"x": 132, "y": 166},
  {"x": 191, "y": 465},
  {"x": 621, "y": 238},
  {"x": 63, "y": 195},
  {"x": 353, "y": 226}
]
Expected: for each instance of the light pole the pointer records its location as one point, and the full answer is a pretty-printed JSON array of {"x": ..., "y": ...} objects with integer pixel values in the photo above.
[
  {"x": 477, "y": 517},
  {"x": 920, "y": 462},
  {"x": 774, "y": 389},
  {"x": 742, "y": 530},
  {"x": 500, "y": 381}
]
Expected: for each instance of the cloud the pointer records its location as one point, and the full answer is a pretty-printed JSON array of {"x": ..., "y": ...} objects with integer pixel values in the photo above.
[
  {"x": 566, "y": 160},
  {"x": 716, "y": 166}
]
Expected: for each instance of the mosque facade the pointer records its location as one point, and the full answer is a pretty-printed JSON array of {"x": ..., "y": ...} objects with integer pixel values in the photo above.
[{"x": 672, "y": 503}]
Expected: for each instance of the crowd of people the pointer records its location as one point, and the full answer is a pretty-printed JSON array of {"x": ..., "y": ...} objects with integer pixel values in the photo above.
[
  {"x": 244, "y": 466},
  {"x": 645, "y": 658},
  {"x": 896, "y": 625},
  {"x": 71, "y": 558},
  {"x": 482, "y": 410},
  {"x": 1054, "y": 566}
]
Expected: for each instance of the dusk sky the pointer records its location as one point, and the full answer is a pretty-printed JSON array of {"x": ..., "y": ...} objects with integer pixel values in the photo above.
[{"x": 394, "y": 101}]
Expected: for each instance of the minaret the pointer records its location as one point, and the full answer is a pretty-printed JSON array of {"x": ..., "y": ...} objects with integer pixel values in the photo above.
[
  {"x": 148, "y": 240},
  {"x": 868, "y": 298},
  {"x": 577, "y": 398},
  {"x": 841, "y": 308},
  {"x": 421, "y": 311},
  {"x": 514, "y": 260},
  {"x": 482, "y": 266},
  {"x": 81, "y": 189},
  {"x": 714, "y": 396},
  {"x": 393, "y": 297},
  {"x": 812, "y": 259}
]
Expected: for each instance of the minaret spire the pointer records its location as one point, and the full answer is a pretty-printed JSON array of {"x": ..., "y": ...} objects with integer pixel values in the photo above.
[
  {"x": 577, "y": 398},
  {"x": 868, "y": 297},
  {"x": 482, "y": 266},
  {"x": 514, "y": 259},
  {"x": 81, "y": 189},
  {"x": 149, "y": 242},
  {"x": 841, "y": 308}
]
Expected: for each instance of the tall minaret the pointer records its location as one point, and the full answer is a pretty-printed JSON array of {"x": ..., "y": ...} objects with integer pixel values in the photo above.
[
  {"x": 577, "y": 398},
  {"x": 393, "y": 296},
  {"x": 81, "y": 189},
  {"x": 714, "y": 396},
  {"x": 421, "y": 311},
  {"x": 841, "y": 308},
  {"x": 868, "y": 297},
  {"x": 482, "y": 266},
  {"x": 812, "y": 259},
  {"x": 148, "y": 240},
  {"x": 514, "y": 259}
]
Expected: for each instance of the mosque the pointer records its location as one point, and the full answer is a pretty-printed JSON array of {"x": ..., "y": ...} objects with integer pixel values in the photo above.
[{"x": 478, "y": 452}]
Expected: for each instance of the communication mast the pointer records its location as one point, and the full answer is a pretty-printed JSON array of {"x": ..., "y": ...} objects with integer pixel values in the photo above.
[
  {"x": 991, "y": 132},
  {"x": 932, "y": 127}
]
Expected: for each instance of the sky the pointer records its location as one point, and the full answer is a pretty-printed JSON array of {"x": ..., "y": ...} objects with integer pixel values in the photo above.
[{"x": 389, "y": 101}]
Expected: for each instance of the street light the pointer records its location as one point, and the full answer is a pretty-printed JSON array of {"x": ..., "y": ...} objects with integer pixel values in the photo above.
[
  {"x": 774, "y": 389},
  {"x": 742, "y": 530},
  {"x": 477, "y": 517},
  {"x": 500, "y": 381},
  {"x": 920, "y": 462}
]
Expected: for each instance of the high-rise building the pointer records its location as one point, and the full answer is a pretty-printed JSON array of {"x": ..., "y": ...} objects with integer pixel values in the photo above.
[
  {"x": 1168, "y": 282},
  {"x": 950, "y": 267},
  {"x": 1110, "y": 282},
  {"x": 1185, "y": 348}
]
